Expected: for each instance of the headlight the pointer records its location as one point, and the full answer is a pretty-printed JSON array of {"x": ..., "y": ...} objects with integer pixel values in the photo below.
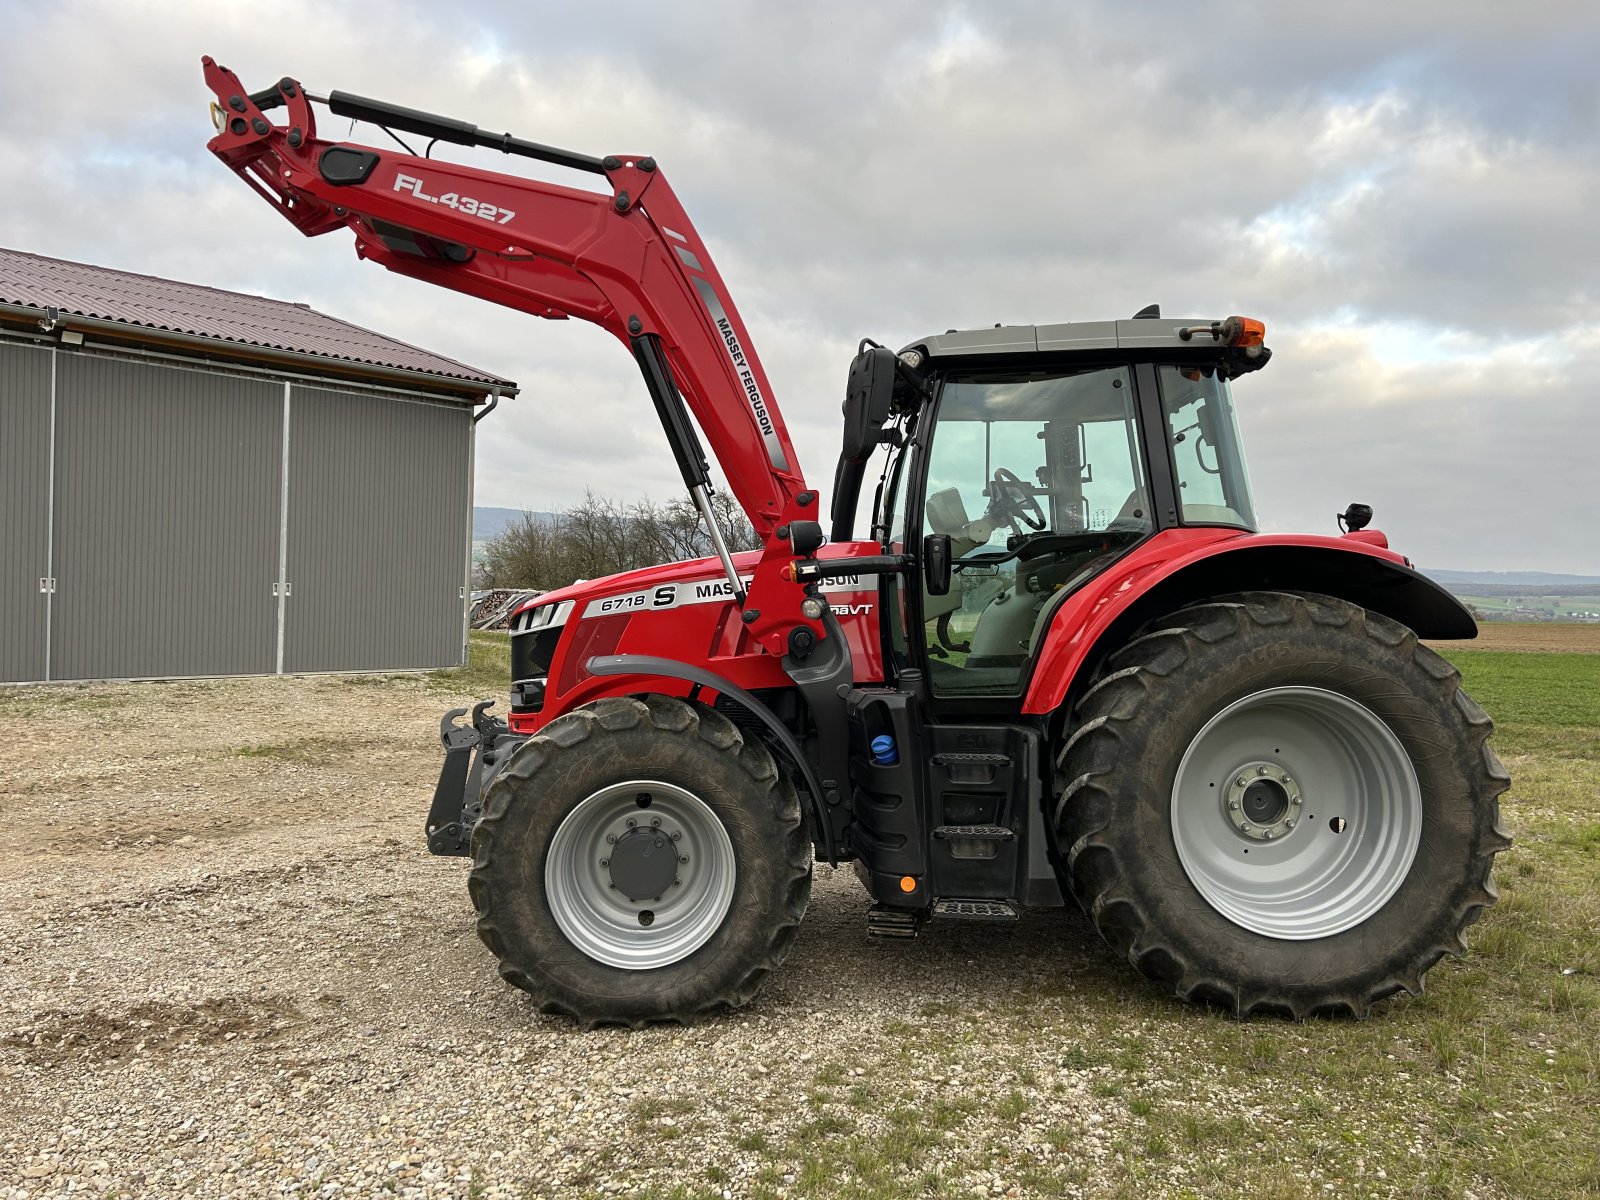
[{"x": 541, "y": 616}]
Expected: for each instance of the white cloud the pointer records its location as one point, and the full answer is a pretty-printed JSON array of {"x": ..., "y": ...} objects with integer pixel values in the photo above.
[{"x": 1409, "y": 204}]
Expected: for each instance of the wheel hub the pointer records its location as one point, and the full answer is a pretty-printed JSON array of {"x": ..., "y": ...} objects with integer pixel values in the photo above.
[
  {"x": 1262, "y": 801},
  {"x": 1291, "y": 861},
  {"x": 644, "y": 863}
]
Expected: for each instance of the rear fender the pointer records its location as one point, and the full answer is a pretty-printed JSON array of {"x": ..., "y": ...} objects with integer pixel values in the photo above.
[{"x": 1159, "y": 578}]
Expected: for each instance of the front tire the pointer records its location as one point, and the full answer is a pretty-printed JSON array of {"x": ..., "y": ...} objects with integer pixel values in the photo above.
[
  {"x": 638, "y": 860},
  {"x": 1280, "y": 803}
]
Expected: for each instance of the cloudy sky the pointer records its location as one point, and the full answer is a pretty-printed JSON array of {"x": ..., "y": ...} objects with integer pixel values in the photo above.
[{"x": 1407, "y": 194}]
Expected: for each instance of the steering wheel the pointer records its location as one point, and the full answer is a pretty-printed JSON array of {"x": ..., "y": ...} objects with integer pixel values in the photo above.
[{"x": 1010, "y": 497}]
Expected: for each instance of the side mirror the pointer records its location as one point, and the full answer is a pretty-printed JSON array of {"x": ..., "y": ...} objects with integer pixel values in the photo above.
[
  {"x": 867, "y": 398},
  {"x": 936, "y": 563}
]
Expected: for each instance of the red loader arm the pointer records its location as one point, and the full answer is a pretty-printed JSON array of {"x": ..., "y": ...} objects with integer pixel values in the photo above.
[{"x": 630, "y": 261}]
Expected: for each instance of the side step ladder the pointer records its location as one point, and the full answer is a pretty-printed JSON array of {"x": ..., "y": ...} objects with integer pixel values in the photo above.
[{"x": 892, "y": 922}]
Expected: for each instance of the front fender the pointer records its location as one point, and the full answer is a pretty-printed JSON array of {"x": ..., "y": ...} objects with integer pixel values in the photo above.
[
  {"x": 629, "y": 674},
  {"x": 1185, "y": 566}
]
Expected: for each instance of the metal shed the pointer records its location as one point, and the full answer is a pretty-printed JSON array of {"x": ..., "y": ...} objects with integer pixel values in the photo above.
[{"x": 197, "y": 482}]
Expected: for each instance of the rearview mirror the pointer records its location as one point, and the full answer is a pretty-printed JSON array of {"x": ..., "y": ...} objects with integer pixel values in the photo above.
[{"x": 867, "y": 397}]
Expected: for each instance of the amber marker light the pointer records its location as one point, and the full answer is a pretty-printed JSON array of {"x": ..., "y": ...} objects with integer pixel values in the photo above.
[
  {"x": 908, "y": 883},
  {"x": 1250, "y": 332}
]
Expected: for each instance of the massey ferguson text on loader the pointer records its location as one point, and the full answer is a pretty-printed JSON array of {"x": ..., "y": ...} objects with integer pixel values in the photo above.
[{"x": 1059, "y": 661}]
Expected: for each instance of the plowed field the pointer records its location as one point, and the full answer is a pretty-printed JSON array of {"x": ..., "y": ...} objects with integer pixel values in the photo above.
[{"x": 1531, "y": 638}]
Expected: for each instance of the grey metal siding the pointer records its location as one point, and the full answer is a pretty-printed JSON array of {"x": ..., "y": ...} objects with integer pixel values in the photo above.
[
  {"x": 166, "y": 521},
  {"x": 24, "y": 509},
  {"x": 377, "y": 532}
]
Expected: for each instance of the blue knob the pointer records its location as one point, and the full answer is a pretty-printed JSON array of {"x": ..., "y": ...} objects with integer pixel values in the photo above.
[{"x": 883, "y": 751}]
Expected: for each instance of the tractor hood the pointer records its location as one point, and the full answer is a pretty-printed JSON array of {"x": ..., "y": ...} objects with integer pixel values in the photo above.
[
  {"x": 645, "y": 577},
  {"x": 708, "y": 570}
]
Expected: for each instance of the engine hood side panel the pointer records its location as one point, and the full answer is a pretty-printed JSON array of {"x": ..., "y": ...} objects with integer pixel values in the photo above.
[{"x": 685, "y": 611}]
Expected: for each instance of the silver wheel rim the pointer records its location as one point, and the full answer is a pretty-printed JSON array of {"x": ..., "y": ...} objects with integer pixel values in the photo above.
[
  {"x": 1296, "y": 813},
  {"x": 639, "y": 932}
]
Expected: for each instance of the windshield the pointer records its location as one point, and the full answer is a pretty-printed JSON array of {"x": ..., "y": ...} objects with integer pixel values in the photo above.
[{"x": 1213, "y": 488}]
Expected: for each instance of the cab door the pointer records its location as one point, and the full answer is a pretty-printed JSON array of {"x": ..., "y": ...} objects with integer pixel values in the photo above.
[{"x": 1039, "y": 481}]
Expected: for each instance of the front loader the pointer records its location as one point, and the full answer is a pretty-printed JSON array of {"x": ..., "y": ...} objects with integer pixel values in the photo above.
[{"x": 1052, "y": 657}]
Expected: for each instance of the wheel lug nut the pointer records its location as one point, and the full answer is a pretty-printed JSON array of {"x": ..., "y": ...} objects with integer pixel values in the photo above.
[
  {"x": 605, "y": 862},
  {"x": 1242, "y": 780},
  {"x": 656, "y": 821},
  {"x": 1247, "y": 827},
  {"x": 676, "y": 835},
  {"x": 684, "y": 859},
  {"x": 1261, "y": 770},
  {"x": 1269, "y": 835},
  {"x": 1234, "y": 805},
  {"x": 632, "y": 824},
  {"x": 1289, "y": 824},
  {"x": 611, "y": 837},
  {"x": 1287, "y": 782},
  {"x": 677, "y": 883}
]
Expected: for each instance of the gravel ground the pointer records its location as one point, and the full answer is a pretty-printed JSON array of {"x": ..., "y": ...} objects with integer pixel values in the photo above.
[{"x": 228, "y": 968}]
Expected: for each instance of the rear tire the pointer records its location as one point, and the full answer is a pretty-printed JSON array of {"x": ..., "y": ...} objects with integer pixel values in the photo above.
[
  {"x": 1367, "y": 822},
  {"x": 585, "y": 937}
]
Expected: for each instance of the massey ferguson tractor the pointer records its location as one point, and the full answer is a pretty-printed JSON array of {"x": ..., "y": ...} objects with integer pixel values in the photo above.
[{"x": 1045, "y": 654}]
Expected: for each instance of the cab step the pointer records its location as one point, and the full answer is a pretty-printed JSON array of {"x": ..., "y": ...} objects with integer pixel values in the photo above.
[
  {"x": 981, "y": 833},
  {"x": 976, "y": 910},
  {"x": 974, "y": 841},
  {"x": 892, "y": 922}
]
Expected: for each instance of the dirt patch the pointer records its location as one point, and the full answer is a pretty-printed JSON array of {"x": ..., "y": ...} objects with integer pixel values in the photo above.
[
  {"x": 148, "y": 1028},
  {"x": 1530, "y": 638}
]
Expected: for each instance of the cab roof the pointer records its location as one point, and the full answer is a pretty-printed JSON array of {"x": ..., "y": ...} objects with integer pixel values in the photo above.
[{"x": 1138, "y": 333}]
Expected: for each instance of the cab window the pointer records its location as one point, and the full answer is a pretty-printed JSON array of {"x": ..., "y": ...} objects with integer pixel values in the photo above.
[{"x": 1213, "y": 488}]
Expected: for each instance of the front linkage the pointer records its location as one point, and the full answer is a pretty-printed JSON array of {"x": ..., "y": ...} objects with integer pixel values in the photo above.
[{"x": 469, "y": 751}]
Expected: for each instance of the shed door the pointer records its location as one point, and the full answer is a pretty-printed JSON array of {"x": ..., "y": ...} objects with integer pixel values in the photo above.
[
  {"x": 377, "y": 532},
  {"x": 24, "y": 510},
  {"x": 166, "y": 521}
]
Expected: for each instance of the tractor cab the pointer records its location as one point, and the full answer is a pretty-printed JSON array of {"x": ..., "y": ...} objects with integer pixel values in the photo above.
[{"x": 1023, "y": 461}]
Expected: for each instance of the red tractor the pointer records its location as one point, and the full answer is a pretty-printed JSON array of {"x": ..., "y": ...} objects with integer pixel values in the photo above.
[{"x": 1058, "y": 660}]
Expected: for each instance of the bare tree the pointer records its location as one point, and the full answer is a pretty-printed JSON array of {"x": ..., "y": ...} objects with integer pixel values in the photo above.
[{"x": 601, "y": 536}]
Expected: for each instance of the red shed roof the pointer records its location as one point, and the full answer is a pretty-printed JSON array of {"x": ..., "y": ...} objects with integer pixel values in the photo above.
[{"x": 188, "y": 309}]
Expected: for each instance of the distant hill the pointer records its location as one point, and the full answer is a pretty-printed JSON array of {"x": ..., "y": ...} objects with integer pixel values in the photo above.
[
  {"x": 490, "y": 522},
  {"x": 1458, "y": 581}
]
